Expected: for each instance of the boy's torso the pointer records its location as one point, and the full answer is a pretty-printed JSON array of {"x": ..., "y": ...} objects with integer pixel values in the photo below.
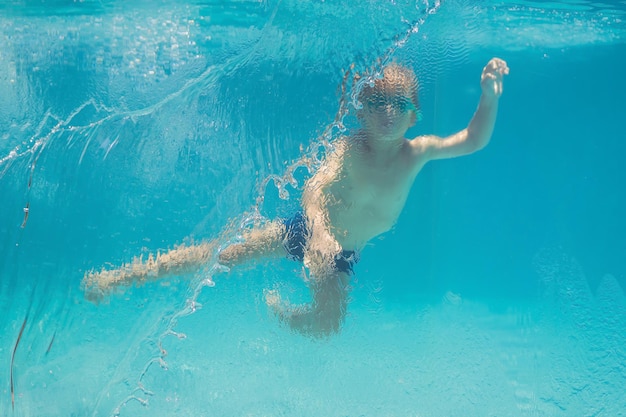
[{"x": 363, "y": 192}]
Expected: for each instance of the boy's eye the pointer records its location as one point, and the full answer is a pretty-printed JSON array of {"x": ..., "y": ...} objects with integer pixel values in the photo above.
[{"x": 400, "y": 104}]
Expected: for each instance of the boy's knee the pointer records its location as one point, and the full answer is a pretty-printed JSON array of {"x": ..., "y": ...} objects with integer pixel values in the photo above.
[
  {"x": 329, "y": 322},
  {"x": 229, "y": 255}
]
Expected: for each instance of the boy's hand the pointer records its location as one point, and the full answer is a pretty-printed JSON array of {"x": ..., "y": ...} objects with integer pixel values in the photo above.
[{"x": 491, "y": 78}]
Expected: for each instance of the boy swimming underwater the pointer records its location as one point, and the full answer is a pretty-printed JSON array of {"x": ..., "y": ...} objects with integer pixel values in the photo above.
[{"x": 357, "y": 193}]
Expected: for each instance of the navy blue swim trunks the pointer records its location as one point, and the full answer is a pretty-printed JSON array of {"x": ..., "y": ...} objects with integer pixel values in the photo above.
[{"x": 296, "y": 236}]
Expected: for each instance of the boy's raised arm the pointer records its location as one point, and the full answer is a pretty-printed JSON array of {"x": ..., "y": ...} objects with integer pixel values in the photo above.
[{"x": 478, "y": 133}]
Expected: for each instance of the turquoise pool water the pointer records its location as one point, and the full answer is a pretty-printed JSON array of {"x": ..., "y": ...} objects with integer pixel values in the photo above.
[{"x": 131, "y": 127}]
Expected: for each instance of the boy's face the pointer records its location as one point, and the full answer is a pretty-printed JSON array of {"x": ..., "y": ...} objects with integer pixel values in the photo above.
[{"x": 388, "y": 115}]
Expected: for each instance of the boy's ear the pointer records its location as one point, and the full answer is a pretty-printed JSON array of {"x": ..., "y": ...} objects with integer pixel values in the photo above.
[{"x": 413, "y": 117}]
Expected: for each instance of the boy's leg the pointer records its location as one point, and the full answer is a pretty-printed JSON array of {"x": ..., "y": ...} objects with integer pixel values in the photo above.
[
  {"x": 257, "y": 243},
  {"x": 183, "y": 259},
  {"x": 325, "y": 315},
  {"x": 180, "y": 260}
]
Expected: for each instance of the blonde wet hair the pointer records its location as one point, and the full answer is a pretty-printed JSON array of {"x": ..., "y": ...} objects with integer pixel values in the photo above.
[{"x": 397, "y": 81}]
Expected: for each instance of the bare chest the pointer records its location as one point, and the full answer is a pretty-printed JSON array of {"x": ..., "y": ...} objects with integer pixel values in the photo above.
[{"x": 367, "y": 200}]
